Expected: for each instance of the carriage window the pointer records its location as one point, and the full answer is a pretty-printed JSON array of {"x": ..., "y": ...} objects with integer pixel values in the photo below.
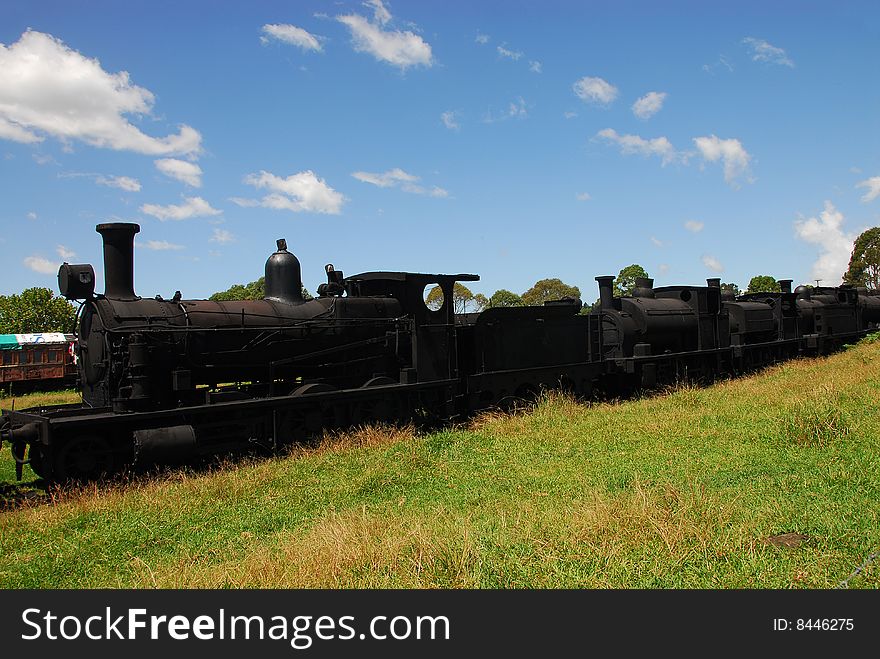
[
  {"x": 53, "y": 356},
  {"x": 7, "y": 357},
  {"x": 39, "y": 356}
]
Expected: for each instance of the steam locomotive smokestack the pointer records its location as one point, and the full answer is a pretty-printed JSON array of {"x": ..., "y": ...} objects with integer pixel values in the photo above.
[
  {"x": 785, "y": 285},
  {"x": 713, "y": 282},
  {"x": 644, "y": 287},
  {"x": 606, "y": 291},
  {"x": 118, "y": 259}
]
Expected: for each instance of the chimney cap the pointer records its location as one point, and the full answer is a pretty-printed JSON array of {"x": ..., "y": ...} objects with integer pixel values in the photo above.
[{"x": 109, "y": 226}]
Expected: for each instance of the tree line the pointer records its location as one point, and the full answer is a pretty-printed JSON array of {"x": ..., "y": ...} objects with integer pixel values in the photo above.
[{"x": 40, "y": 310}]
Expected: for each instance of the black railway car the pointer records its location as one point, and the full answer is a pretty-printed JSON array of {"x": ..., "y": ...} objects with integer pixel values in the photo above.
[{"x": 164, "y": 380}]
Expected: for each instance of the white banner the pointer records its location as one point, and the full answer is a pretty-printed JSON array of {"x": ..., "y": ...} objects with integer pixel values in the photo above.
[{"x": 42, "y": 337}]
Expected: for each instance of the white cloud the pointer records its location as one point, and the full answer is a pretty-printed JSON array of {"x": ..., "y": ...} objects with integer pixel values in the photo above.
[
  {"x": 656, "y": 242},
  {"x": 449, "y": 120},
  {"x": 482, "y": 39},
  {"x": 583, "y": 196},
  {"x": 511, "y": 54},
  {"x": 712, "y": 263},
  {"x": 663, "y": 268},
  {"x": 187, "y": 172},
  {"x": 633, "y": 144},
  {"x": 44, "y": 159},
  {"x": 380, "y": 13},
  {"x": 403, "y": 49},
  {"x": 730, "y": 152},
  {"x": 291, "y": 34},
  {"x": 47, "y": 88},
  {"x": 569, "y": 114},
  {"x": 398, "y": 178},
  {"x": 515, "y": 110},
  {"x": 64, "y": 252},
  {"x": 245, "y": 203},
  {"x": 722, "y": 62},
  {"x": 31, "y": 215},
  {"x": 649, "y": 105},
  {"x": 873, "y": 186},
  {"x": 694, "y": 226},
  {"x": 14, "y": 132},
  {"x": 299, "y": 192},
  {"x": 222, "y": 236},
  {"x": 122, "y": 182},
  {"x": 160, "y": 245},
  {"x": 194, "y": 207},
  {"x": 535, "y": 66},
  {"x": 389, "y": 179},
  {"x": 595, "y": 90},
  {"x": 836, "y": 246},
  {"x": 41, "y": 265},
  {"x": 762, "y": 51}
]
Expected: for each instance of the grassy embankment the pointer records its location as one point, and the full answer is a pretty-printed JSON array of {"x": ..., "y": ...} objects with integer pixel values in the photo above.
[{"x": 771, "y": 481}]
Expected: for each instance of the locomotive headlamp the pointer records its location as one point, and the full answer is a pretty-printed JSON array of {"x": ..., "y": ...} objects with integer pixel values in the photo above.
[{"x": 76, "y": 282}]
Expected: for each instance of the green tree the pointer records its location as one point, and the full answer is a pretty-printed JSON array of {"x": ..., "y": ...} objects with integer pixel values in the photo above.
[
  {"x": 35, "y": 310},
  {"x": 733, "y": 288},
  {"x": 864, "y": 264},
  {"x": 549, "y": 289},
  {"x": 625, "y": 282},
  {"x": 504, "y": 298},
  {"x": 255, "y": 290},
  {"x": 763, "y": 284},
  {"x": 463, "y": 299}
]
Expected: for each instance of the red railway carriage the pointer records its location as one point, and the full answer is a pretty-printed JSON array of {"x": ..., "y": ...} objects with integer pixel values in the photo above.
[{"x": 36, "y": 361}]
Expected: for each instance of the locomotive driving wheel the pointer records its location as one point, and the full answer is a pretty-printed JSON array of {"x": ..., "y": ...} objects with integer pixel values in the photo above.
[
  {"x": 378, "y": 408},
  {"x": 308, "y": 421},
  {"x": 83, "y": 458}
]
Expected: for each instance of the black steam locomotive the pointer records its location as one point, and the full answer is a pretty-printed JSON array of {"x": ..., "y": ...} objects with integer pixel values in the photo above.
[{"x": 164, "y": 380}]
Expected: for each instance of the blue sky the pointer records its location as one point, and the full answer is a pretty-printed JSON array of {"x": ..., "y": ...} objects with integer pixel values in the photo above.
[{"x": 514, "y": 140}]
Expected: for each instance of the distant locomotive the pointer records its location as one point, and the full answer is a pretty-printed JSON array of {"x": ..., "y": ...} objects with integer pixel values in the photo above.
[{"x": 164, "y": 380}]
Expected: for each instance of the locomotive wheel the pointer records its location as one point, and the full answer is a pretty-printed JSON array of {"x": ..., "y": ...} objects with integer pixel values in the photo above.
[
  {"x": 514, "y": 402},
  {"x": 313, "y": 388},
  {"x": 386, "y": 408},
  {"x": 83, "y": 458},
  {"x": 378, "y": 381},
  {"x": 528, "y": 392},
  {"x": 308, "y": 422}
]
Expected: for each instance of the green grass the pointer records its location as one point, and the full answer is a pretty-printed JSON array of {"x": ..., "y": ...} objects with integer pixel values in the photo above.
[
  {"x": 694, "y": 488},
  {"x": 39, "y": 399}
]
